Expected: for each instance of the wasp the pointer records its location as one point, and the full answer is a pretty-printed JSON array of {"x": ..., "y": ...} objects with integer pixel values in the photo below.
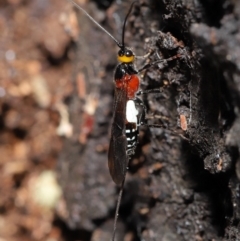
[{"x": 126, "y": 117}]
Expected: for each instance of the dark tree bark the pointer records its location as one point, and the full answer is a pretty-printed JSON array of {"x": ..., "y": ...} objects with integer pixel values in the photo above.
[{"x": 183, "y": 181}]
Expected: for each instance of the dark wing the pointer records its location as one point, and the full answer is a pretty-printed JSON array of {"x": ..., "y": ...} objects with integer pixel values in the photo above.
[{"x": 117, "y": 155}]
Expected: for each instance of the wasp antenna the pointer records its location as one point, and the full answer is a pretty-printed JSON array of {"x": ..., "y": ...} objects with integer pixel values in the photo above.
[
  {"x": 94, "y": 21},
  {"x": 124, "y": 24}
]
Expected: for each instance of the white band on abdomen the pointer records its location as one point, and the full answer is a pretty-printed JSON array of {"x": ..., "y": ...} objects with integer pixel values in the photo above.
[{"x": 131, "y": 112}]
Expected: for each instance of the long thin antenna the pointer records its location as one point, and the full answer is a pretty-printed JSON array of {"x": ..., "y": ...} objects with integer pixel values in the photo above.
[
  {"x": 94, "y": 21},
  {"x": 125, "y": 21}
]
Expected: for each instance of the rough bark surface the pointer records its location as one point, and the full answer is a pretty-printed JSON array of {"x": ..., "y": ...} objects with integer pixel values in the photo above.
[{"x": 183, "y": 183}]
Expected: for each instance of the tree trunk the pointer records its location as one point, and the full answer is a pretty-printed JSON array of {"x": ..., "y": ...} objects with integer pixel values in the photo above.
[{"x": 183, "y": 181}]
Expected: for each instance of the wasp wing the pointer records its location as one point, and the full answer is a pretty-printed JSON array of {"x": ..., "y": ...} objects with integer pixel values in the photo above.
[{"x": 117, "y": 155}]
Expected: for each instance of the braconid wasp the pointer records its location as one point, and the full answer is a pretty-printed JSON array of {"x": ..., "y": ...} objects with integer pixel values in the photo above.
[{"x": 126, "y": 116}]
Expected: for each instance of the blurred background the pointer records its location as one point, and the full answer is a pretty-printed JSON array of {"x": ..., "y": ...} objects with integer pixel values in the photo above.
[{"x": 35, "y": 78}]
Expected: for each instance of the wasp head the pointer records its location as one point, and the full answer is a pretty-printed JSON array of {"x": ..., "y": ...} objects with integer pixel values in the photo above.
[{"x": 125, "y": 55}]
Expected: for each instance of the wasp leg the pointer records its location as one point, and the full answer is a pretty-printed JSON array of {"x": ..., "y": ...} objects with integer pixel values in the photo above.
[
  {"x": 143, "y": 111},
  {"x": 145, "y": 56},
  {"x": 156, "y": 90},
  {"x": 149, "y": 65}
]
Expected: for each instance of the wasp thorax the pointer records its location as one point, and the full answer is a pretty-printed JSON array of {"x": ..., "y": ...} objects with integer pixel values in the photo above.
[{"x": 125, "y": 55}]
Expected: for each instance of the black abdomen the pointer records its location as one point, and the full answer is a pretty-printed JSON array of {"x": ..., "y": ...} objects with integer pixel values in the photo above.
[{"x": 132, "y": 137}]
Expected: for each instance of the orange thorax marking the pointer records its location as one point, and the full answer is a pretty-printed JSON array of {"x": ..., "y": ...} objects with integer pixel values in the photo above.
[{"x": 130, "y": 83}]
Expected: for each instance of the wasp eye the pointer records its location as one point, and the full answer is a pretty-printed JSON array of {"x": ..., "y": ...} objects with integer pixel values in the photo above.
[
  {"x": 120, "y": 52},
  {"x": 129, "y": 53}
]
